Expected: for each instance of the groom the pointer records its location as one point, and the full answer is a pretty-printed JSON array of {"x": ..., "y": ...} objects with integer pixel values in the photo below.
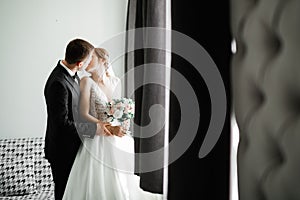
[{"x": 64, "y": 126}]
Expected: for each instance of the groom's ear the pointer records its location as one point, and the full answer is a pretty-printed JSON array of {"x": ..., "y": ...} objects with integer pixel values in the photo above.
[{"x": 79, "y": 63}]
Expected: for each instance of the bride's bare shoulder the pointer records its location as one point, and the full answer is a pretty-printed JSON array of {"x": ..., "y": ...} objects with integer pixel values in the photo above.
[{"x": 86, "y": 82}]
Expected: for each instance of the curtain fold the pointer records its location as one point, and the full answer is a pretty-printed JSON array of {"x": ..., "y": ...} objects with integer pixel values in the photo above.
[
  {"x": 146, "y": 13},
  {"x": 207, "y": 23}
]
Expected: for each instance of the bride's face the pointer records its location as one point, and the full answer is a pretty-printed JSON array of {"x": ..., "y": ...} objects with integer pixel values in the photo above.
[
  {"x": 95, "y": 64},
  {"x": 86, "y": 62}
]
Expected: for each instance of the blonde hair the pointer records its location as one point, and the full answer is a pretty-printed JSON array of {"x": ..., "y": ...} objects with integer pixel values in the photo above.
[{"x": 103, "y": 54}]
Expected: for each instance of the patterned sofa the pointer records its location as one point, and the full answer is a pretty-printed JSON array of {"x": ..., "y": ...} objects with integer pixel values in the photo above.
[{"x": 24, "y": 172}]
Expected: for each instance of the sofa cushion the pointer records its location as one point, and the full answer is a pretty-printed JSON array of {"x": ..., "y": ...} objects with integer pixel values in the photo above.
[
  {"x": 18, "y": 148},
  {"x": 14, "y": 148},
  {"x": 41, "y": 195},
  {"x": 17, "y": 176},
  {"x": 42, "y": 169}
]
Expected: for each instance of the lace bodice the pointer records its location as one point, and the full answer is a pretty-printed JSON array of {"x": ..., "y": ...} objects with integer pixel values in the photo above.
[
  {"x": 98, "y": 99},
  {"x": 98, "y": 102}
]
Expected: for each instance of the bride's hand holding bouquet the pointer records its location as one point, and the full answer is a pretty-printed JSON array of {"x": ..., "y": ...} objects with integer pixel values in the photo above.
[
  {"x": 119, "y": 112},
  {"x": 115, "y": 130}
]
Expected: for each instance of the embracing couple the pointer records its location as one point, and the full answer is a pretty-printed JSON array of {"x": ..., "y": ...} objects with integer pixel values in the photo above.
[{"x": 84, "y": 151}]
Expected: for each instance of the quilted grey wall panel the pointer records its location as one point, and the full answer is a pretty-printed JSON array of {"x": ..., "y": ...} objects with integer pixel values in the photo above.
[{"x": 266, "y": 97}]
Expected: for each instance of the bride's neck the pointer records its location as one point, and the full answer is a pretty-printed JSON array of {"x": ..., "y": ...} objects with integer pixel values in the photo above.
[{"x": 97, "y": 78}]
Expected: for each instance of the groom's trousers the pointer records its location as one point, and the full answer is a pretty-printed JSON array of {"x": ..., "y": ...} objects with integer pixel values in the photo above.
[{"x": 60, "y": 173}]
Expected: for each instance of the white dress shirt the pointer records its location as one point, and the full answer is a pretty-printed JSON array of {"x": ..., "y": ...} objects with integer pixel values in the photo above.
[{"x": 68, "y": 70}]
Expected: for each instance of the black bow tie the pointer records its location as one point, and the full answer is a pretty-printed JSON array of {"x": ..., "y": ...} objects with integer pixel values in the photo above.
[{"x": 75, "y": 76}]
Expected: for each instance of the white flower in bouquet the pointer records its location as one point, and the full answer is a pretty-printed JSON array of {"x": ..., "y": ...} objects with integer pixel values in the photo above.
[
  {"x": 110, "y": 119},
  {"x": 119, "y": 112}
]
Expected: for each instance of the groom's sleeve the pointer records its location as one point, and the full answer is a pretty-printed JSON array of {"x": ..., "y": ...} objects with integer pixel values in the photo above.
[
  {"x": 58, "y": 108},
  {"x": 85, "y": 129}
]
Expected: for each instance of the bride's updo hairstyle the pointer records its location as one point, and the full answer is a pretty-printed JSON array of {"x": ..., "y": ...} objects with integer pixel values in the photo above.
[{"x": 103, "y": 54}]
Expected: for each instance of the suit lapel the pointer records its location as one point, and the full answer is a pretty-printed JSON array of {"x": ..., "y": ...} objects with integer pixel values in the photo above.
[{"x": 73, "y": 85}]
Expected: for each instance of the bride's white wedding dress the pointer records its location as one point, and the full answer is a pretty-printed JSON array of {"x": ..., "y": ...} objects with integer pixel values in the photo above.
[{"x": 103, "y": 168}]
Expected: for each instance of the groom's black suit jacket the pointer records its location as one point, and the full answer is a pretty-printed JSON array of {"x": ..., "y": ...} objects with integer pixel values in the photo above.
[{"x": 64, "y": 126}]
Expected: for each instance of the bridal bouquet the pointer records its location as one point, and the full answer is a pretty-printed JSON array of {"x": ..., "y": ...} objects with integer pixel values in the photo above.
[{"x": 119, "y": 112}]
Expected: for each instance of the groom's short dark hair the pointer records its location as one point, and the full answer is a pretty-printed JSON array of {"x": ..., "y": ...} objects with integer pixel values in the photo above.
[{"x": 77, "y": 50}]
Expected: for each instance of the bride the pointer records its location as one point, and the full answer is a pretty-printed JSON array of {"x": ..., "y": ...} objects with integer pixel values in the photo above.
[{"x": 104, "y": 166}]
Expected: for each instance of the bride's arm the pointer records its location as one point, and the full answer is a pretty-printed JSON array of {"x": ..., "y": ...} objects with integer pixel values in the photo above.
[
  {"x": 84, "y": 107},
  {"x": 85, "y": 90}
]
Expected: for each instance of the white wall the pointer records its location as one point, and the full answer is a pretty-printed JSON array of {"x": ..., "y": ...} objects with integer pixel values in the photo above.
[{"x": 34, "y": 34}]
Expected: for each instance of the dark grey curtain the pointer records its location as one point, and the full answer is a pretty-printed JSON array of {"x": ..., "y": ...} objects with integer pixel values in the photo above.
[
  {"x": 207, "y": 22},
  {"x": 146, "y": 13},
  {"x": 190, "y": 177}
]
